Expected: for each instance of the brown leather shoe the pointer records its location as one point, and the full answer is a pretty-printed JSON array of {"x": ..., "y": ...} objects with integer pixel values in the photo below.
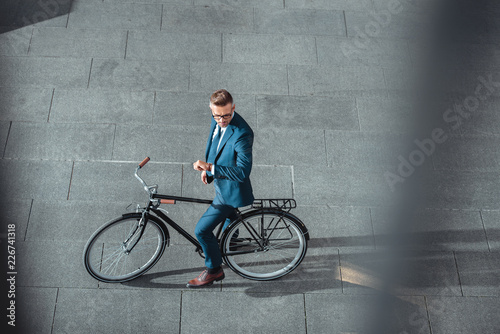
[{"x": 206, "y": 279}]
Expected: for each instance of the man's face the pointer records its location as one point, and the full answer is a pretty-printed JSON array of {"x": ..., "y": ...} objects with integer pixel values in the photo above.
[{"x": 222, "y": 114}]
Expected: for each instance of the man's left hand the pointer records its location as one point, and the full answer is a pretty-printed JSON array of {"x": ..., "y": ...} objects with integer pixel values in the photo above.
[{"x": 202, "y": 166}]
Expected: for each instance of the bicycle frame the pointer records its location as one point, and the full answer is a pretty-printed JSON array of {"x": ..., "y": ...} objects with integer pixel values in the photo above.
[
  {"x": 155, "y": 200},
  {"x": 167, "y": 220}
]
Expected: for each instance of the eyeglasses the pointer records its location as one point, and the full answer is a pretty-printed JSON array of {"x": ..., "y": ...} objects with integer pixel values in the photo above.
[{"x": 219, "y": 117}]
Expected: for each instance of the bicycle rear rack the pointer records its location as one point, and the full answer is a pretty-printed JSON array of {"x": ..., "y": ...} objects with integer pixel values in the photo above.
[{"x": 285, "y": 204}]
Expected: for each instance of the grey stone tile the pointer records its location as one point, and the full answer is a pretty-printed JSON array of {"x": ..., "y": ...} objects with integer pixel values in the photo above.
[
  {"x": 15, "y": 42},
  {"x": 169, "y": 2},
  {"x": 327, "y": 4},
  {"x": 60, "y": 141},
  {"x": 26, "y": 104},
  {"x": 113, "y": 311},
  {"x": 359, "y": 314},
  {"x": 139, "y": 75},
  {"x": 52, "y": 264},
  {"x": 479, "y": 273},
  {"x": 430, "y": 273},
  {"x": 424, "y": 273},
  {"x": 36, "y": 179},
  {"x": 35, "y": 309},
  {"x": 79, "y": 43},
  {"x": 436, "y": 230},
  {"x": 469, "y": 152},
  {"x": 44, "y": 72},
  {"x": 363, "y": 150},
  {"x": 339, "y": 227},
  {"x": 250, "y": 306},
  {"x": 401, "y": 79},
  {"x": 33, "y": 13},
  {"x": 362, "y": 271},
  {"x": 58, "y": 21},
  {"x": 459, "y": 315},
  {"x": 285, "y": 147},
  {"x": 150, "y": 45},
  {"x": 179, "y": 264},
  {"x": 472, "y": 56},
  {"x": 192, "y": 109},
  {"x": 460, "y": 189},
  {"x": 115, "y": 15},
  {"x": 114, "y": 181},
  {"x": 475, "y": 84},
  {"x": 172, "y": 143},
  {"x": 446, "y": 113},
  {"x": 306, "y": 113},
  {"x": 491, "y": 221},
  {"x": 343, "y": 51},
  {"x": 4, "y": 134},
  {"x": 485, "y": 8},
  {"x": 200, "y": 19},
  {"x": 319, "y": 272},
  {"x": 329, "y": 186},
  {"x": 235, "y": 4},
  {"x": 15, "y": 212},
  {"x": 375, "y": 24},
  {"x": 101, "y": 106},
  {"x": 483, "y": 121},
  {"x": 7, "y": 19},
  {"x": 71, "y": 220},
  {"x": 325, "y": 80},
  {"x": 238, "y": 78},
  {"x": 477, "y": 24},
  {"x": 272, "y": 181},
  {"x": 386, "y": 114},
  {"x": 269, "y": 49},
  {"x": 395, "y": 7},
  {"x": 299, "y": 22}
]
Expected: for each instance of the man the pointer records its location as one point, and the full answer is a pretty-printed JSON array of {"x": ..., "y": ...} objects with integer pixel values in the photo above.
[{"x": 228, "y": 164}]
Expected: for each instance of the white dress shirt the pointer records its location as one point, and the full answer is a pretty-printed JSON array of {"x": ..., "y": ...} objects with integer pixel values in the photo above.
[{"x": 222, "y": 131}]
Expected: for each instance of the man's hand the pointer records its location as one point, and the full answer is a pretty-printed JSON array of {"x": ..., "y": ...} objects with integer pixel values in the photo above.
[
  {"x": 202, "y": 166},
  {"x": 204, "y": 177}
]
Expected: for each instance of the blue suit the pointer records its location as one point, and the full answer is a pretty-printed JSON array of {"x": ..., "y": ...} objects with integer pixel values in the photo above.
[{"x": 231, "y": 178}]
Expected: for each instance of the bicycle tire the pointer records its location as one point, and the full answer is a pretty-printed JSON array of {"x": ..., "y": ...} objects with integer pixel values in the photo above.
[
  {"x": 264, "y": 244},
  {"x": 105, "y": 256}
]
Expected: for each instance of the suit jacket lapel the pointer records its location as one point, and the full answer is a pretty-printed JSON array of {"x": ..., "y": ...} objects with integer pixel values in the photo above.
[
  {"x": 209, "y": 140},
  {"x": 227, "y": 135}
]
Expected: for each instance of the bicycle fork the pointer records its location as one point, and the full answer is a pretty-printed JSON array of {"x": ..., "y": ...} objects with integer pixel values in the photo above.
[{"x": 137, "y": 233}]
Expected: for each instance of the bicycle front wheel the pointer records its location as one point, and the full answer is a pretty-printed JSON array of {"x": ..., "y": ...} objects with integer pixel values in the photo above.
[
  {"x": 264, "y": 245},
  {"x": 123, "y": 249}
]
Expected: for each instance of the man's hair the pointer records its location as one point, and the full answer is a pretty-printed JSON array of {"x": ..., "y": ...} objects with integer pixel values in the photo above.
[{"x": 221, "y": 98}]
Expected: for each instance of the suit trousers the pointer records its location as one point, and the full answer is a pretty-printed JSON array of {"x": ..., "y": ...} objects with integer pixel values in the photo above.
[{"x": 215, "y": 214}]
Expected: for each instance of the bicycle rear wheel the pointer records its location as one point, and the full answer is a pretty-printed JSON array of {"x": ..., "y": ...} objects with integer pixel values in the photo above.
[
  {"x": 114, "y": 253},
  {"x": 264, "y": 245}
]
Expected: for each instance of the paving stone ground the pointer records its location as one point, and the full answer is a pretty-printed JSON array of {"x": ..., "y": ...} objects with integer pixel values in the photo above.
[{"x": 379, "y": 117}]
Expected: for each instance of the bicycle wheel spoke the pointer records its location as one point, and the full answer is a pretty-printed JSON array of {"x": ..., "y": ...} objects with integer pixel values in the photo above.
[
  {"x": 119, "y": 251},
  {"x": 281, "y": 245},
  {"x": 114, "y": 258}
]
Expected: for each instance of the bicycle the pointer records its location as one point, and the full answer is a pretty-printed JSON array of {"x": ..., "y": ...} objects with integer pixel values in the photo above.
[{"x": 264, "y": 242}]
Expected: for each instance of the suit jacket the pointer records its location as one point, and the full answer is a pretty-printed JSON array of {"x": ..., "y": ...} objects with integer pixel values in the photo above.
[{"x": 233, "y": 164}]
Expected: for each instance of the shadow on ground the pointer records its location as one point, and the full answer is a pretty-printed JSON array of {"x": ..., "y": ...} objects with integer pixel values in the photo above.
[{"x": 15, "y": 14}]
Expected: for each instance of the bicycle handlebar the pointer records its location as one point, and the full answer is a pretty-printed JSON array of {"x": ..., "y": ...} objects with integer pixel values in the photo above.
[
  {"x": 144, "y": 162},
  {"x": 151, "y": 190},
  {"x": 167, "y": 201}
]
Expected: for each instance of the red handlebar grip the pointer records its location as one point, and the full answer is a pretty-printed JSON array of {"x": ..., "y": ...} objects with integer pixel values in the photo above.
[
  {"x": 145, "y": 161},
  {"x": 167, "y": 201}
]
